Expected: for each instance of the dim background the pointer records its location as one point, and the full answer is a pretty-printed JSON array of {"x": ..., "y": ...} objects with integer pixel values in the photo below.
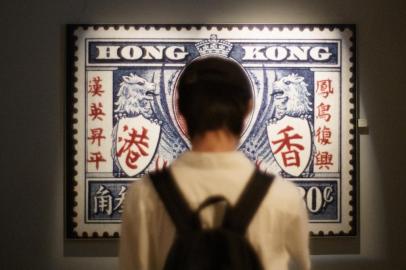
[{"x": 32, "y": 100}]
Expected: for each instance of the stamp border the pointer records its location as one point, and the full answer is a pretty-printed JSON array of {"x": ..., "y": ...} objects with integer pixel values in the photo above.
[{"x": 70, "y": 143}]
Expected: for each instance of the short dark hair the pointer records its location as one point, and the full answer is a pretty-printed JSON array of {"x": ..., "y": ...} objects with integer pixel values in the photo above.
[{"x": 214, "y": 93}]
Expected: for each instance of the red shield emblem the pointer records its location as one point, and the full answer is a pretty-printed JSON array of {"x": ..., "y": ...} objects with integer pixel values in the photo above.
[
  {"x": 136, "y": 143},
  {"x": 290, "y": 141}
]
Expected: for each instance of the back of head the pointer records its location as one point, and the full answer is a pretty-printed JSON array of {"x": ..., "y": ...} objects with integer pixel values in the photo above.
[{"x": 214, "y": 93}]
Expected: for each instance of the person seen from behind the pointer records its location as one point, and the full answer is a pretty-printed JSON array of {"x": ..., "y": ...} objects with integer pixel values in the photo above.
[{"x": 173, "y": 219}]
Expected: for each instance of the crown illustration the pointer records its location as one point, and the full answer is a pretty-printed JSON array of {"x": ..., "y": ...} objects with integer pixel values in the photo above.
[{"x": 214, "y": 46}]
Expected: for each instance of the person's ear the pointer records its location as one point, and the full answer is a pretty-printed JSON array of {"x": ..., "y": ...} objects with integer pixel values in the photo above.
[{"x": 249, "y": 107}]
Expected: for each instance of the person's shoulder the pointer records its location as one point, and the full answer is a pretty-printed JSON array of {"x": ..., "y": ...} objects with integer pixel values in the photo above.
[
  {"x": 140, "y": 189},
  {"x": 286, "y": 187},
  {"x": 284, "y": 194}
]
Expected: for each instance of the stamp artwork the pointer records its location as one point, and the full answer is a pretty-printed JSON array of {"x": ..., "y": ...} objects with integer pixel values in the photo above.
[{"x": 127, "y": 123}]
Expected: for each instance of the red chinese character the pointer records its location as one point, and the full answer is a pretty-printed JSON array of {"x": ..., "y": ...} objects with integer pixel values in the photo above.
[
  {"x": 323, "y": 135},
  {"x": 95, "y": 87},
  {"x": 97, "y": 135},
  {"x": 96, "y": 111},
  {"x": 324, "y": 159},
  {"x": 96, "y": 158},
  {"x": 135, "y": 146},
  {"x": 291, "y": 156},
  {"x": 324, "y": 88},
  {"x": 322, "y": 111}
]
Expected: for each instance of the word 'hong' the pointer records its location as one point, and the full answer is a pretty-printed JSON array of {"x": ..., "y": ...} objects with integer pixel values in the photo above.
[{"x": 133, "y": 52}]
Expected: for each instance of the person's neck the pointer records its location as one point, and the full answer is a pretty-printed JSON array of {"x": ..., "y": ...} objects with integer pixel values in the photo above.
[{"x": 215, "y": 141}]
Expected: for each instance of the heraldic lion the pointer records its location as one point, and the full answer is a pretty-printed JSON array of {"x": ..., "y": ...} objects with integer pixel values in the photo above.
[
  {"x": 135, "y": 96},
  {"x": 290, "y": 97}
]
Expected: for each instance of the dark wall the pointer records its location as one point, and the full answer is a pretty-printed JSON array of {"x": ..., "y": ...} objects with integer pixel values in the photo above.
[{"x": 32, "y": 61}]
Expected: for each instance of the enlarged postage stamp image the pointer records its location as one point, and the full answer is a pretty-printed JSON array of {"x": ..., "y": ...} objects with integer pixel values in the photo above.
[{"x": 126, "y": 122}]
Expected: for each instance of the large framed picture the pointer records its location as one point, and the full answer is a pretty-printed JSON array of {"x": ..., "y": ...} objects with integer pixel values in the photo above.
[{"x": 123, "y": 121}]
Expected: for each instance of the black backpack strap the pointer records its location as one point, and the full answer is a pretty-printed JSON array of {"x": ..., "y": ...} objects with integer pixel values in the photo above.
[
  {"x": 239, "y": 217},
  {"x": 175, "y": 204}
]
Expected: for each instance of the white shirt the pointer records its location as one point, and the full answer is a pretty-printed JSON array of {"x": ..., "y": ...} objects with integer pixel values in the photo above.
[{"x": 278, "y": 231}]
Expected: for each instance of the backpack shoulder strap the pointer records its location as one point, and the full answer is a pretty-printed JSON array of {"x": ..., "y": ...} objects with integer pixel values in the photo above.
[
  {"x": 176, "y": 206},
  {"x": 239, "y": 217}
]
